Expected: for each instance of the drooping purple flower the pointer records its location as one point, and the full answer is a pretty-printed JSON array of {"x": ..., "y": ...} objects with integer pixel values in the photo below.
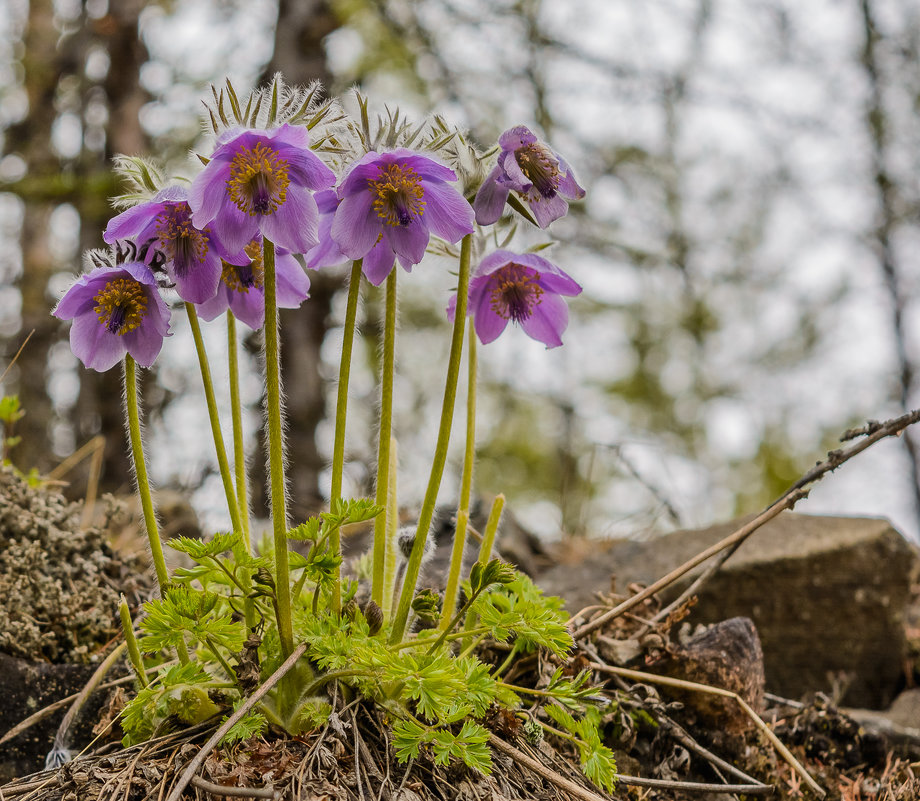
[
  {"x": 390, "y": 204},
  {"x": 530, "y": 168},
  {"x": 261, "y": 182},
  {"x": 192, "y": 259},
  {"x": 242, "y": 287},
  {"x": 522, "y": 288},
  {"x": 115, "y": 310}
]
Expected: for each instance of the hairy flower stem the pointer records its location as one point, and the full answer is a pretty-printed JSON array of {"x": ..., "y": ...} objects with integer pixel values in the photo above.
[
  {"x": 466, "y": 486},
  {"x": 134, "y": 652},
  {"x": 383, "y": 440},
  {"x": 485, "y": 549},
  {"x": 275, "y": 441},
  {"x": 341, "y": 409},
  {"x": 222, "y": 462},
  {"x": 236, "y": 412},
  {"x": 239, "y": 459},
  {"x": 140, "y": 474},
  {"x": 392, "y": 531},
  {"x": 132, "y": 408},
  {"x": 440, "y": 456}
]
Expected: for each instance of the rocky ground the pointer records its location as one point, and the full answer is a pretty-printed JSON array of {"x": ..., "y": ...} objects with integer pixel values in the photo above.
[{"x": 810, "y": 635}]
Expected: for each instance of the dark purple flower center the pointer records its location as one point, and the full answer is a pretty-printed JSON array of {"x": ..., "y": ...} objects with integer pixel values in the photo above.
[
  {"x": 539, "y": 167},
  {"x": 258, "y": 180},
  {"x": 121, "y": 305},
  {"x": 242, "y": 278},
  {"x": 183, "y": 244},
  {"x": 515, "y": 292},
  {"x": 398, "y": 194}
]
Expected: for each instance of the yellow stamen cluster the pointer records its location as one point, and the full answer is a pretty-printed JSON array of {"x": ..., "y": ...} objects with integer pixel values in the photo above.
[
  {"x": 242, "y": 279},
  {"x": 258, "y": 180},
  {"x": 515, "y": 292},
  {"x": 399, "y": 195},
  {"x": 121, "y": 305},
  {"x": 184, "y": 244},
  {"x": 540, "y": 168}
]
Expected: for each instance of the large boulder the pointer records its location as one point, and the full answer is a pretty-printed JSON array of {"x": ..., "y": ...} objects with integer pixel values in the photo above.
[{"x": 827, "y": 594}]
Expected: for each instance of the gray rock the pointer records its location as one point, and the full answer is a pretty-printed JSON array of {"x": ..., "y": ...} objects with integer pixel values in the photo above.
[{"x": 827, "y": 594}]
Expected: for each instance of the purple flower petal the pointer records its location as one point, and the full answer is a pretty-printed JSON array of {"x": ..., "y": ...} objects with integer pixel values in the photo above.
[
  {"x": 306, "y": 169},
  {"x": 408, "y": 241},
  {"x": 138, "y": 223},
  {"x": 367, "y": 168},
  {"x": 233, "y": 228},
  {"x": 93, "y": 345},
  {"x": 548, "y": 321},
  {"x": 292, "y": 284},
  {"x": 487, "y": 323},
  {"x": 378, "y": 262},
  {"x": 547, "y": 209},
  {"x": 200, "y": 282},
  {"x": 293, "y": 225},
  {"x": 212, "y": 308},
  {"x": 425, "y": 167},
  {"x": 79, "y": 297},
  {"x": 568, "y": 186},
  {"x": 518, "y": 136},
  {"x": 356, "y": 227},
  {"x": 490, "y": 199},
  {"x": 447, "y": 212},
  {"x": 143, "y": 345},
  {"x": 249, "y": 307},
  {"x": 209, "y": 192}
]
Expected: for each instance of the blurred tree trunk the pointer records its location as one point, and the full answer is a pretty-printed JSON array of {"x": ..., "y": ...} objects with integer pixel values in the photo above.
[
  {"x": 45, "y": 60},
  {"x": 99, "y": 407},
  {"x": 300, "y": 57},
  {"x": 887, "y": 220},
  {"x": 54, "y": 80}
]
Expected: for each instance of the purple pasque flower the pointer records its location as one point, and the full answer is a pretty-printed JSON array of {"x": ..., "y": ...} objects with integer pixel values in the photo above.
[
  {"x": 192, "y": 259},
  {"x": 115, "y": 310},
  {"x": 522, "y": 288},
  {"x": 261, "y": 182},
  {"x": 242, "y": 287},
  {"x": 530, "y": 168},
  {"x": 390, "y": 203}
]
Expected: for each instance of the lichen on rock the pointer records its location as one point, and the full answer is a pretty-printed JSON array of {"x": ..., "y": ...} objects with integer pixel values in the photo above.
[{"x": 59, "y": 585}]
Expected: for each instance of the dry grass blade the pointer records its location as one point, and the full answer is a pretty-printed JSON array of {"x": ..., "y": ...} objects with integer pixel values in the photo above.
[
  {"x": 18, "y": 353},
  {"x": 652, "y": 678}
]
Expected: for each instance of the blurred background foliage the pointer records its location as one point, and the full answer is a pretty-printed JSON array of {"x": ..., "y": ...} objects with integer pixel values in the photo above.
[{"x": 748, "y": 245}]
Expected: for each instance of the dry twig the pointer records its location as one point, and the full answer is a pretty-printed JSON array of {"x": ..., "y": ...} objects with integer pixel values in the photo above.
[
  {"x": 874, "y": 432},
  {"x": 652, "y": 678},
  {"x": 244, "y": 709}
]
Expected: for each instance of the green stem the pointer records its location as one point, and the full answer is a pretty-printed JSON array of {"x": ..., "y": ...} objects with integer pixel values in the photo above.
[
  {"x": 143, "y": 485},
  {"x": 276, "y": 452},
  {"x": 440, "y": 456},
  {"x": 222, "y": 462},
  {"x": 488, "y": 537},
  {"x": 392, "y": 531},
  {"x": 140, "y": 474},
  {"x": 236, "y": 411},
  {"x": 334, "y": 675},
  {"x": 383, "y": 439},
  {"x": 231, "y": 673},
  {"x": 341, "y": 408},
  {"x": 466, "y": 485},
  {"x": 134, "y": 652},
  {"x": 507, "y": 663}
]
